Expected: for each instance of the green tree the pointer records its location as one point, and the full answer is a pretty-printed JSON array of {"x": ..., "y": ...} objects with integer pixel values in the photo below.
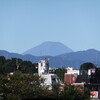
[
  {"x": 27, "y": 67},
  {"x": 56, "y": 90},
  {"x": 87, "y": 66},
  {"x": 84, "y": 68},
  {"x": 2, "y": 61},
  {"x": 60, "y": 73},
  {"x": 23, "y": 87},
  {"x": 9, "y": 66},
  {"x": 72, "y": 93}
]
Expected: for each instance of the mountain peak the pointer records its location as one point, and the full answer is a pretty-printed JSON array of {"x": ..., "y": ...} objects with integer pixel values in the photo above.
[{"x": 49, "y": 48}]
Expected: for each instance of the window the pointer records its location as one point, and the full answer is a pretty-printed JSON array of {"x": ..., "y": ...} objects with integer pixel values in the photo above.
[
  {"x": 53, "y": 80},
  {"x": 42, "y": 80}
]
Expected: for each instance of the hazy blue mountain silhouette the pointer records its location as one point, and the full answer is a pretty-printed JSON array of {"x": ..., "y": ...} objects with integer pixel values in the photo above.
[
  {"x": 49, "y": 49},
  {"x": 77, "y": 58},
  {"x": 73, "y": 59}
]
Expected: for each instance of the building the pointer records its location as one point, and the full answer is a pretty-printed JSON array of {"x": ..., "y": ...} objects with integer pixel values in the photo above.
[
  {"x": 71, "y": 75},
  {"x": 70, "y": 70},
  {"x": 70, "y": 78},
  {"x": 86, "y": 78},
  {"x": 43, "y": 67},
  {"x": 47, "y": 79}
]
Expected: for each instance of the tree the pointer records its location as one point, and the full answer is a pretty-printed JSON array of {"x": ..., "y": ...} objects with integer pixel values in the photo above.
[
  {"x": 84, "y": 68},
  {"x": 9, "y": 66},
  {"x": 60, "y": 73},
  {"x": 56, "y": 90},
  {"x": 87, "y": 66},
  {"x": 14, "y": 64},
  {"x": 2, "y": 61},
  {"x": 22, "y": 87},
  {"x": 72, "y": 93},
  {"x": 27, "y": 67}
]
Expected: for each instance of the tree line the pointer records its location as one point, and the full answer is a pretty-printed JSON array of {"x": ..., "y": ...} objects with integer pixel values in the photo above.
[
  {"x": 21, "y": 86},
  {"x": 11, "y": 65},
  {"x": 25, "y": 85}
]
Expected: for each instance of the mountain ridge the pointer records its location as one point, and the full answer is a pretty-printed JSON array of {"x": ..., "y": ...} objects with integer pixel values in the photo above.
[
  {"x": 48, "y": 48},
  {"x": 73, "y": 59}
]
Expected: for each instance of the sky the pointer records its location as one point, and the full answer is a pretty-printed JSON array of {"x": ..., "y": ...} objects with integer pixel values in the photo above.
[{"x": 25, "y": 24}]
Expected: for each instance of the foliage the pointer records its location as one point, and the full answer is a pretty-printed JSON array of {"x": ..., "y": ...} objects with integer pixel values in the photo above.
[
  {"x": 14, "y": 64},
  {"x": 87, "y": 66},
  {"x": 9, "y": 66},
  {"x": 60, "y": 73},
  {"x": 27, "y": 67},
  {"x": 22, "y": 86},
  {"x": 56, "y": 90},
  {"x": 2, "y": 61},
  {"x": 84, "y": 68},
  {"x": 72, "y": 93}
]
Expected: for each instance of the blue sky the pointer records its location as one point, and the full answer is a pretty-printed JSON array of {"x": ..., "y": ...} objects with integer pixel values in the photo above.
[{"x": 27, "y": 23}]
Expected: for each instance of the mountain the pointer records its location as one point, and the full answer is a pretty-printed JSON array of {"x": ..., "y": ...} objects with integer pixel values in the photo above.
[
  {"x": 73, "y": 59},
  {"x": 27, "y": 57},
  {"x": 49, "y": 49},
  {"x": 77, "y": 58}
]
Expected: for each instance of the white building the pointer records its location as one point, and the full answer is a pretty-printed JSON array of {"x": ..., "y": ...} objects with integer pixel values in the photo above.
[
  {"x": 70, "y": 70},
  {"x": 47, "y": 80},
  {"x": 43, "y": 67}
]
